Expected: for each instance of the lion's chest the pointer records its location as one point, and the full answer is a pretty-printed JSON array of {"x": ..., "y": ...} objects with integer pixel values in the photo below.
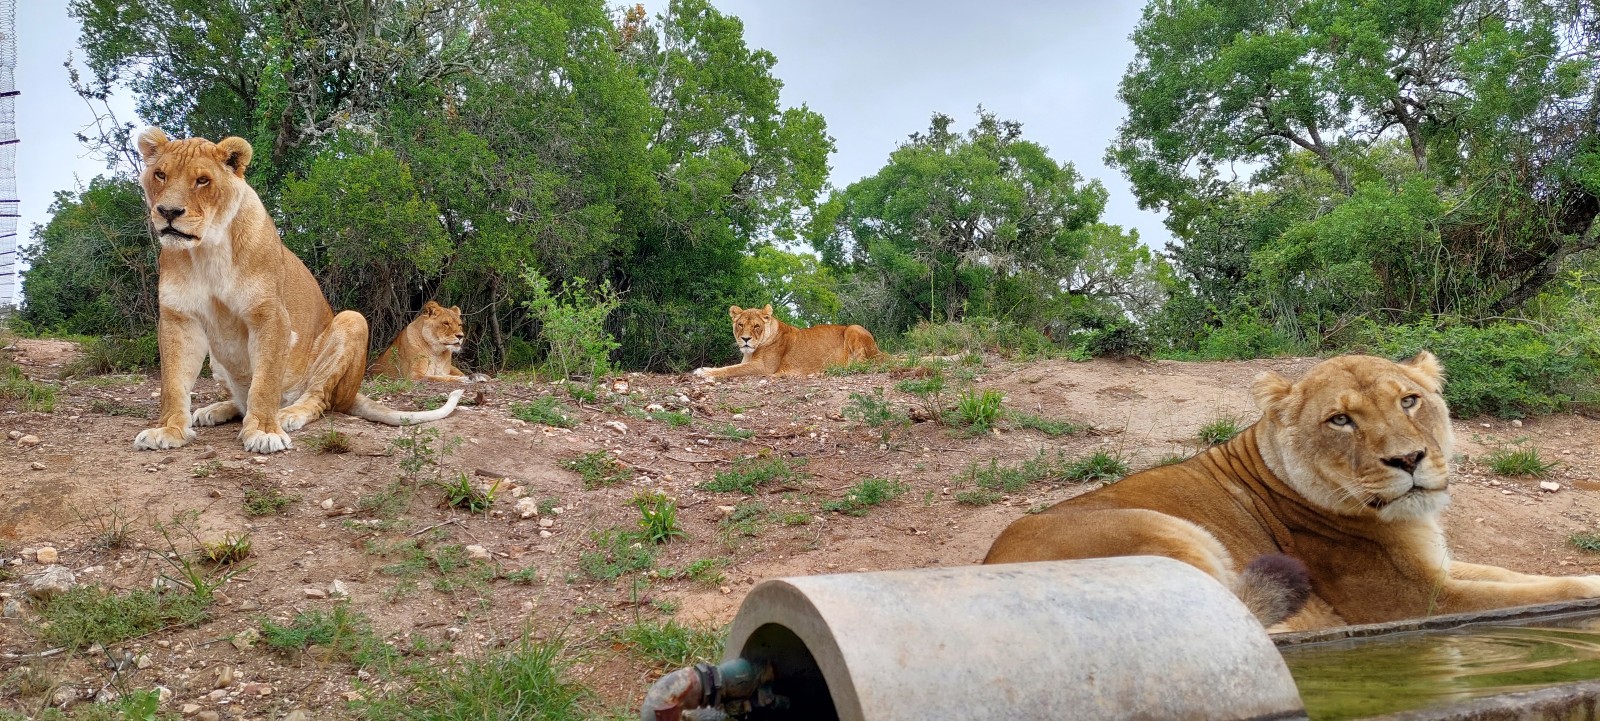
[{"x": 207, "y": 288}]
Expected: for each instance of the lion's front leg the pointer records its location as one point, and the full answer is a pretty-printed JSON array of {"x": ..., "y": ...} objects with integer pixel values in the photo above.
[
  {"x": 334, "y": 377},
  {"x": 734, "y": 371},
  {"x": 1479, "y": 572},
  {"x": 183, "y": 349},
  {"x": 269, "y": 328},
  {"x": 1462, "y": 595}
]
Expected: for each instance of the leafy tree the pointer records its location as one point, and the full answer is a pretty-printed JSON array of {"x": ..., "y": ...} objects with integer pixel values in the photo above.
[
  {"x": 959, "y": 223},
  {"x": 93, "y": 266}
]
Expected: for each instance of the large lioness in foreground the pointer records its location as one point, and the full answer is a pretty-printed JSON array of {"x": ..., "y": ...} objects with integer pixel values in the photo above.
[
  {"x": 422, "y": 351},
  {"x": 1347, "y": 471},
  {"x": 229, "y": 288},
  {"x": 772, "y": 347}
]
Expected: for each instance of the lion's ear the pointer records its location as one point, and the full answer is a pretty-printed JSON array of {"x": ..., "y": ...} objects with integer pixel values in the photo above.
[
  {"x": 734, "y": 311},
  {"x": 150, "y": 142},
  {"x": 1426, "y": 368},
  {"x": 430, "y": 309},
  {"x": 236, "y": 154},
  {"x": 1269, "y": 388},
  {"x": 767, "y": 311},
  {"x": 455, "y": 309}
]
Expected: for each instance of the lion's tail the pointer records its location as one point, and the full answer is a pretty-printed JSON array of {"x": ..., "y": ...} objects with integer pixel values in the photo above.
[
  {"x": 1274, "y": 587},
  {"x": 371, "y": 410}
]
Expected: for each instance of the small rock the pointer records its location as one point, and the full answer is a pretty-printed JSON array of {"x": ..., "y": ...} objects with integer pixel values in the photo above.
[
  {"x": 452, "y": 632},
  {"x": 337, "y": 589},
  {"x": 315, "y": 593},
  {"x": 527, "y": 607},
  {"x": 1549, "y": 486},
  {"x": 13, "y": 609},
  {"x": 46, "y": 556},
  {"x": 654, "y": 408},
  {"x": 190, "y": 709},
  {"x": 527, "y": 508},
  {"x": 14, "y": 435},
  {"x": 738, "y": 416},
  {"x": 64, "y": 696},
  {"x": 218, "y": 596},
  {"x": 224, "y": 677},
  {"x": 477, "y": 553},
  {"x": 163, "y": 694},
  {"x": 36, "y": 466},
  {"x": 298, "y": 714},
  {"x": 143, "y": 661},
  {"x": 51, "y": 582},
  {"x": 556, "y": 511},
  {"x": 259, "y": 460},
  {"x": 620, "y": 386},
  {"x": 1516, "y": 423},
  {"x": 106, "y": 695},
  {"x": 619, "y": 427},
  {"x": 256, "y": 689},
  {"x": 29, "y": 440},
  {"x": 726, "y": 510},
  {"x": 547, "y": 522},
  {"x": 545, "y": 534},
  {"x": 245, "y": 639},
  {"x": 725, "y": 589},
  {"x": 327, "y": 504},
  {"x": 209, "y": 715},
  {"x": 250, "y": 605}
]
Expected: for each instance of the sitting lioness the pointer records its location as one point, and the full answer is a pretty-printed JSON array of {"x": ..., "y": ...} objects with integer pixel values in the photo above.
[
  {"x": 1347, "y": 471},
  {"x": 422, "y": 351},
  {"x": 229, "y": 288},
  {"x": 772, "y": 347}
]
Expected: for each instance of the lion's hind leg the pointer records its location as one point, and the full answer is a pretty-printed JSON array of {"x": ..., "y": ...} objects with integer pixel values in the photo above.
[
  {"x": 334, "y": 378},
  {"x": 217, "y": 413}
]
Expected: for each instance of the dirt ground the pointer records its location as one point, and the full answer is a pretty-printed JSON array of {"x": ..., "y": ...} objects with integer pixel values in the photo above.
[{"x": 90, "y": 473}]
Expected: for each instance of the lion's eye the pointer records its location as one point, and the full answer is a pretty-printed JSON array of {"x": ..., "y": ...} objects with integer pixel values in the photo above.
[
  {"x": 1410, "y": 401},
  {"x": 1341, "y": 420},
  {"x": 202, "y": 180},
  {"x": 161, "y": 176}
]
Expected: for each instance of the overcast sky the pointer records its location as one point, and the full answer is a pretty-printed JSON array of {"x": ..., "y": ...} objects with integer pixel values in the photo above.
[{"x": 876, "y": 70}]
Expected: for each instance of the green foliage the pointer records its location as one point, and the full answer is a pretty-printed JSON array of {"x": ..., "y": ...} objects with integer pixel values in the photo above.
[
  {"x": 671, "y": 645},
  {"x": 421, "y": 450},
  {"x": 747, "y": 474},
  {"x": 870, "y": 492},
  {"x": 978, "y": 410},
  {"x": 330, "y": 440},
  {"x": 1524, "y": 462},
  {"x": 598, "y": 469},
  {"x": 617, "y": 552},
  {"x": 226, "y": 551},
  {"x": 995, "y": 477},
  {"x": 658, "y": 517},
  {"x": 979, "y": 497},
  {"x": 731, "y": 432},
  {"x": 111, "y": 354},
  {"x": 528, "y": 680},
  {"x": 1585, "y": 541},
  {"x": 35, "y": 396},
  {"x": 345, "y": 633},
  {"x": 1097, "y": 466},
  {"x": 87, "y": 615},
  {"x": 463, "y": 493},
  {"x": 872, "y": 410},
  {"x": 92, "y": 268},
  {"x": 1505, "y": 369},
  {"x": 1053, "y": 427},
  {"x": 263, "y": 498},
  {"x": 1220, "y": 429},
  {"x": 573, "y": 324},
  {"x": 547, "y": 410}
]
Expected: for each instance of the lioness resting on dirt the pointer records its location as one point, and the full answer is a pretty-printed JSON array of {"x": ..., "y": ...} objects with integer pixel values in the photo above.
[
  {"x": 1346, "y": 471},
  {"x": 772, "y": 347},
  {"x": 422, "y": 351},
  {"x": 230, "y": 288}
]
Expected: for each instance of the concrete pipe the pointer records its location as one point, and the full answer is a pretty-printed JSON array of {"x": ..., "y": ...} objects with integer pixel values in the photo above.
[{"x": 1114, "y": 638}]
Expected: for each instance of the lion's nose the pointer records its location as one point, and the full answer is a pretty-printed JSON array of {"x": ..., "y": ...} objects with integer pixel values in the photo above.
[
  {"x": 747, "y": 338},
  {"x": 459, "y": 336},
  {"x": 1407, "y": 462},
  {"x": 168, "y": 212}
]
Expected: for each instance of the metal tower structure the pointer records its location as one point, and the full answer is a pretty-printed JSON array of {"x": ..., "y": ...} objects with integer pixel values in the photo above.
[{"x": 9, "y": 203}]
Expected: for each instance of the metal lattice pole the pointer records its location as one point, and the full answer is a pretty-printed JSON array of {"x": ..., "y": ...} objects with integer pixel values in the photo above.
[{"x": 9, "y": 205}]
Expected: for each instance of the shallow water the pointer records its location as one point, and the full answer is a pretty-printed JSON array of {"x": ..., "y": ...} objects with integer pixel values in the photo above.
[{"x": 1368, "y": 677}]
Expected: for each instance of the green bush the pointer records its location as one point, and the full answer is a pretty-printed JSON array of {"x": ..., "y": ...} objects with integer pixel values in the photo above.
[
  {"x": 573, "y": 325},
  {"x": 113, "y": 354},
  {"x": 1506, "y": 369},
  {"x": 1242, "y": 337}
]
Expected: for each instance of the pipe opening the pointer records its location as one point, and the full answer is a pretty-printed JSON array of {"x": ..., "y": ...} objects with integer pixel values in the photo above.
[{"x": 796, "y": 675}]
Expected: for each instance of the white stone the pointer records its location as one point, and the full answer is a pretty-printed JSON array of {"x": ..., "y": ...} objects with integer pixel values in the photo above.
[
  {"x": 618, "y": 426},
  {"x": 29, "y": 440},
  {"x": 36, "y": 466},
  {"x": 527, "y": 508},
  {"x": 547, "y": 522},
  {"x": 337, "y": 589},
  {"x": 315, "y": 593},
  {"x": 327, "y": 504},
  {"x": 545, "y": 534},
  {"x": 478, "y": 553},
  {"x": 1550, "y": 486},
  {"x": 14, "y": 435},
  {"x": 654, "y": 408},
  {"x": 46, "y": 556},
  {"x": 51, "y": 582}
]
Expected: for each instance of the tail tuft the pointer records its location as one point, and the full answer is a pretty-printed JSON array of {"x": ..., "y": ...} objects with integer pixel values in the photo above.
[{"x": 1275, "y": 587}]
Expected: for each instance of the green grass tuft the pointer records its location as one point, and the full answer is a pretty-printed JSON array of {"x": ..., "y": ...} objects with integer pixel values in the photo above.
[
  {"x": 978, "y": 410},
  {"x": 1220, "y": 430},
  {"x": 1524, "y": 462},
  {"x": 35, "y": 396},
  {"x": 1585, "y": 540},
  {"x": 88, "y": 615},
  {"x": 671, "y": 644},
  {"x": 1097, "y": 466},
  {"x": 866, "y": 494},
  {"x": 598, "y": 469},
  {"x": 748, "y": 474},
  {"x": 547, "y": 410},
  {"x": 531, "y": 680}
]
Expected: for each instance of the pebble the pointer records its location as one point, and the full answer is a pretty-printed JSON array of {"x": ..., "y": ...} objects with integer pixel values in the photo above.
[
  {"x": 64, "y": 696},
  {"x": 259, "y": 460},
  {"x": 1516, "y": 423},
  {"x": 29, "y": 440},
  {"x": 144, "y": 662},
  {"x": 545, "y": 534},
  {"x": 654, "y": 408},
  {"x": 12, "y": 609},
  {"x": 298, "y": 714},
  {"x": 208, "y": 716},
  {"x": 337, "y": 589},
  {"x": 478, "y": 553},
  {"x": 738, "y": 416},
  {"x": 256, "y": 689},
  {"x": 36, "y": 466},
  {"x": 14, "y": 435},
  {"x": 725, "y": 589},
  {"x": 327, "y": 504},
  {"x": 245, "y": 639},
  {"x": 51, "y": 582},
  {"x": 216, "y": 695},
  {"x": 46, "y": 555},
  {"x": 1549, "y": 486},
  {"x": 618, "y": 426},
  {"x": 163, "y": 694},
  {"x": 190, "y": 709},
  {"x": 547, "y": 522},
  {"x": 527, "y": 508},
  {"x": 315, "y": 593},
  {"x": 224, "y": 677},
  {"x": 527, "y": 607}
]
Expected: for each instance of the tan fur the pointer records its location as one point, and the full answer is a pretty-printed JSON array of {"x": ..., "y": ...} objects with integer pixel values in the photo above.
[
  {"x": 1302, "y": 483},
  {"x": 422, "y": 351},
  {"x": 772, "y": 347},
  {"x": 230, "y": 289}
]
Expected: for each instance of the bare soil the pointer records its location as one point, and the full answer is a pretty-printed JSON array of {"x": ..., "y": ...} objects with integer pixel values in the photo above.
[{"x": 1142, "y": 411}]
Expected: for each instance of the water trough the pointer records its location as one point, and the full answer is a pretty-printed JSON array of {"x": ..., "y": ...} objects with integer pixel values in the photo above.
[{"x": 1117, "y": 638}]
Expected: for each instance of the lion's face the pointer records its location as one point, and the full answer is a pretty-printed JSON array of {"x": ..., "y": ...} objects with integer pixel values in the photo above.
[
  {"x": 191, "y": 186},
  {"x": 752, "y": 327},
  {"x": 441, "y": 326},
  {"x": 1360, "y": 436}
]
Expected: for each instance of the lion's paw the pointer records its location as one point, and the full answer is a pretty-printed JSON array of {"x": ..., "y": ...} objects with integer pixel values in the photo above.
[
  {"x": 262, "y": 442},
  {"x": 216, "y": 414},
  {"x": 478, "y": 378},
  {"x": 291, "y": 421},
  {"x": 704, "y": 374},
  {"x": 163, "y": 438}
]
